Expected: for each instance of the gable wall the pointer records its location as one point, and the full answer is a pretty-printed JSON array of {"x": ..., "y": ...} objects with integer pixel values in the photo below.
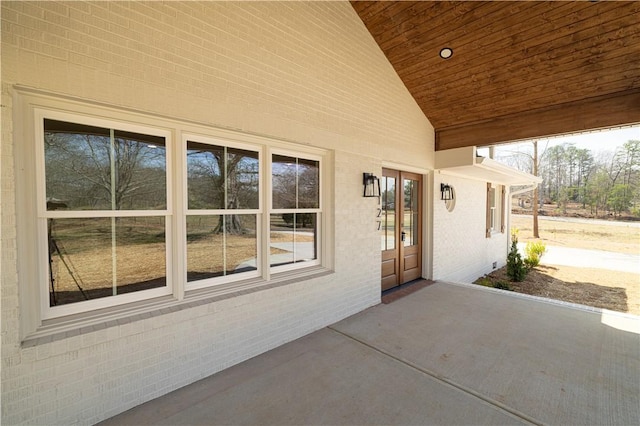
[{"x": 308, "y": 73}]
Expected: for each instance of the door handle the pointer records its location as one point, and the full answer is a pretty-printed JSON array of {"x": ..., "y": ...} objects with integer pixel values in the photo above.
[{"x": 403, "y": 235}]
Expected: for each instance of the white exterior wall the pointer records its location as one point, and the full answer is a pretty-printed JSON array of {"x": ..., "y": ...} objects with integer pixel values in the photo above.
[
  {"x": 309, "y": 73},
  {"x": 461, "y": 251}
]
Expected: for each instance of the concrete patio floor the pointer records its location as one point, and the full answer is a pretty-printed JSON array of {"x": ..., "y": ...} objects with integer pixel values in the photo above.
[{"x": 446, "y": 354}]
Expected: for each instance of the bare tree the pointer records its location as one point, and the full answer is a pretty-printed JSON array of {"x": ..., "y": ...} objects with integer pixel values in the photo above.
[
  {"x": 534, "y": 162},
  {"x": 529, "y": 161}
]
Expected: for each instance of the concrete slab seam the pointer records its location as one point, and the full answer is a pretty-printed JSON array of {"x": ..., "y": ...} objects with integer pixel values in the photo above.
[{"x": 444, "y": 380}]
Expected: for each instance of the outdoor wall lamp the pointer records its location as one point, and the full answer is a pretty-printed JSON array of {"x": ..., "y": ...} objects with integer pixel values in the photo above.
[
  {"x": 446, "y": 192},
  {"x": 371, "y": 185}
]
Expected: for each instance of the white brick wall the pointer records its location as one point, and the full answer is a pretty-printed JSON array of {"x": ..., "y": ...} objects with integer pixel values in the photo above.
[
  {"x": 461, "y": 252},
  {"x": 309, "y": 73}
]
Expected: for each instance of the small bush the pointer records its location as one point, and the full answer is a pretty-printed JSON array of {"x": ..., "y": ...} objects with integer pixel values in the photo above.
[
  {"x": 516, "y": 269},
  {"x": 488, "y": 282},
  {"x": 534, "y": 251},
  {"x": 502, "y": 285},
  {"x": 484, "y": 281}
]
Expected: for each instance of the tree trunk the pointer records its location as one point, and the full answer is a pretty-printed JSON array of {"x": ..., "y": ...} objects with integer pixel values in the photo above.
[{"x": 535, "y": 191}]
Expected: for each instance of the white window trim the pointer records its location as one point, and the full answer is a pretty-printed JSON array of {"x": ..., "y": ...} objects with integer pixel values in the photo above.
[
  {"x": 492, "y": 208},
  {"x": 29, "y": 104},
  {"x": 49, "y": 312},
  {"x": 215, "y": 281},
  {"x": 318, "y": 211},
  {"x": 496, "y": 219}
]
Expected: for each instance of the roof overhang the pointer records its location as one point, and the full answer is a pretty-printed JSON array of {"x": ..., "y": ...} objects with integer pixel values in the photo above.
[
  {"x": 464, "y": 162},
  {"x": 516, "y": 70}
]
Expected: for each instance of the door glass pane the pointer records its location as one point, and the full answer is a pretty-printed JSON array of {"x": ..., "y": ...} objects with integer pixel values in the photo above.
[
  {"x": 410, "y": 227},
  {"x": 95, "y": 258},
  {"x": 94, "y": 168},
  {"x": 388, "y": 214}
]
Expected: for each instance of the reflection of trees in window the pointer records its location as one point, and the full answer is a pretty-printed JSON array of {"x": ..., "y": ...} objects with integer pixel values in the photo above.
[
  {"x": 93, "y": 168},
  {"x": 222, "y": 178},
  {"x": 96, "y": 168},
  {"x": 296, "y": 200},
  {"x": 296, "y": 182}
]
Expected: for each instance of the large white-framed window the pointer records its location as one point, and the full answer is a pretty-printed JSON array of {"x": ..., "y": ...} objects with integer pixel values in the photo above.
[
  {"x": 295, "y": 210},
  {"x": 121, "y": 212},
  {"x": 103, "y": 212},
  {"x": 223, "y": 211}
]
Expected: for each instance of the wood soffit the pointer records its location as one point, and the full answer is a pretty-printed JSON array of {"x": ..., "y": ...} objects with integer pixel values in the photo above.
[{"x": 516, "y": 66}]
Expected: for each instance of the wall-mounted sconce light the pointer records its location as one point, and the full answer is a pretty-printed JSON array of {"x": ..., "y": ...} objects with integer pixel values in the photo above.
[
  {"x": 371, "y": 185},
  {"x": 446, "y": 192}
]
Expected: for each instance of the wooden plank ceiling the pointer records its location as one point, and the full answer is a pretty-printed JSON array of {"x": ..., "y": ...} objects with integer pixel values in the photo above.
[{"x": 519, "y": 69}]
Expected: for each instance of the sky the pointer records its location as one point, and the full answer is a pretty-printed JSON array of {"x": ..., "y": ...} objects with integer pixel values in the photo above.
[
  {"x": 596, "y": 141},
  {"x": 600, "y": 140}
]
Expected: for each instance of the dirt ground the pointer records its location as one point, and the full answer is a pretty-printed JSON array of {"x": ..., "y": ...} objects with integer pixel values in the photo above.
[
  {"x": 600, "y": 288},
  {"x": 618, "y": 239},
  {"x": 613, "y": 290}
]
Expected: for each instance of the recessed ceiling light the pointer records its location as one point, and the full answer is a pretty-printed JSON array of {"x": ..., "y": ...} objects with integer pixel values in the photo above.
[{"x": 446, "y": 52}]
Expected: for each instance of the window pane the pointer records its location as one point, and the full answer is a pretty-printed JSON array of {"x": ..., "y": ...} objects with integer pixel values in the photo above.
[
  {"x": 93, "y": 168},
  {"x": 308, "y": 184},
  {"x": 210, "y": 166},
  {"x": 96, "y": 258},
  {"x": 295, "y": 182},
  {"x": 388, "y": 215},
  {"x": 283, "y": 175},
  {"x": 242, "y": 179},
  {"x": 293, "y": 238},
  {"x": 219, "y": 245},
  {"x": 305, "y": 237},
  {"x": 410, "y": 226},
  {"x": 205, "y": 176}
]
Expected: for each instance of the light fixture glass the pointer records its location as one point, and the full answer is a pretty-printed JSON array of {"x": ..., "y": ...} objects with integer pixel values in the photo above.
[
  {"x": 371, "y": 185},
  {"x": 446, "y": 192},
  {"x": 446, "y": 52}
]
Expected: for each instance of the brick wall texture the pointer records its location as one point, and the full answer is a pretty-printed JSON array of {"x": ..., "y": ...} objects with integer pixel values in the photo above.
[
  {"x": 461, "y": 251},
  {"x": 308, "y": 73}
]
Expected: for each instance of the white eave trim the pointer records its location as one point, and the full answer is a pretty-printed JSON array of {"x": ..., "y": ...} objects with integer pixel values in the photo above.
[{"x": 464, "y": 163}]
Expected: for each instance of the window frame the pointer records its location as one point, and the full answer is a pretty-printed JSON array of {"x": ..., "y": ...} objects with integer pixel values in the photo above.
[
  {"x": 495, "y": 210},
  {"x": 43, "y": 215},
  {"x": 32, "y": 255},
  {"x": 225, "y": 279},
  {"x": 318, "y": 211}
]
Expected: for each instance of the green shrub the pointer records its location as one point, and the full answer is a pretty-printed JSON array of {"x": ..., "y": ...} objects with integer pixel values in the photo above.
[
  {"x": 484, "y": 281},
  {"x": 502, "y": 285},
  {"x": 534, "y": 251},
  {"x": 516, "y": 269},
  {"x": 488, "y": 282}
]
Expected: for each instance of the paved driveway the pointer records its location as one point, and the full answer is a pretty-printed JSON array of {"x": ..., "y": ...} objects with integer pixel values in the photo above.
[{"x": 446, "y": 354}]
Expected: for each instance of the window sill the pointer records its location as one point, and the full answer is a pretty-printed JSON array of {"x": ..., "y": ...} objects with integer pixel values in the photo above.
[{"x": 75, "y": 325}]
